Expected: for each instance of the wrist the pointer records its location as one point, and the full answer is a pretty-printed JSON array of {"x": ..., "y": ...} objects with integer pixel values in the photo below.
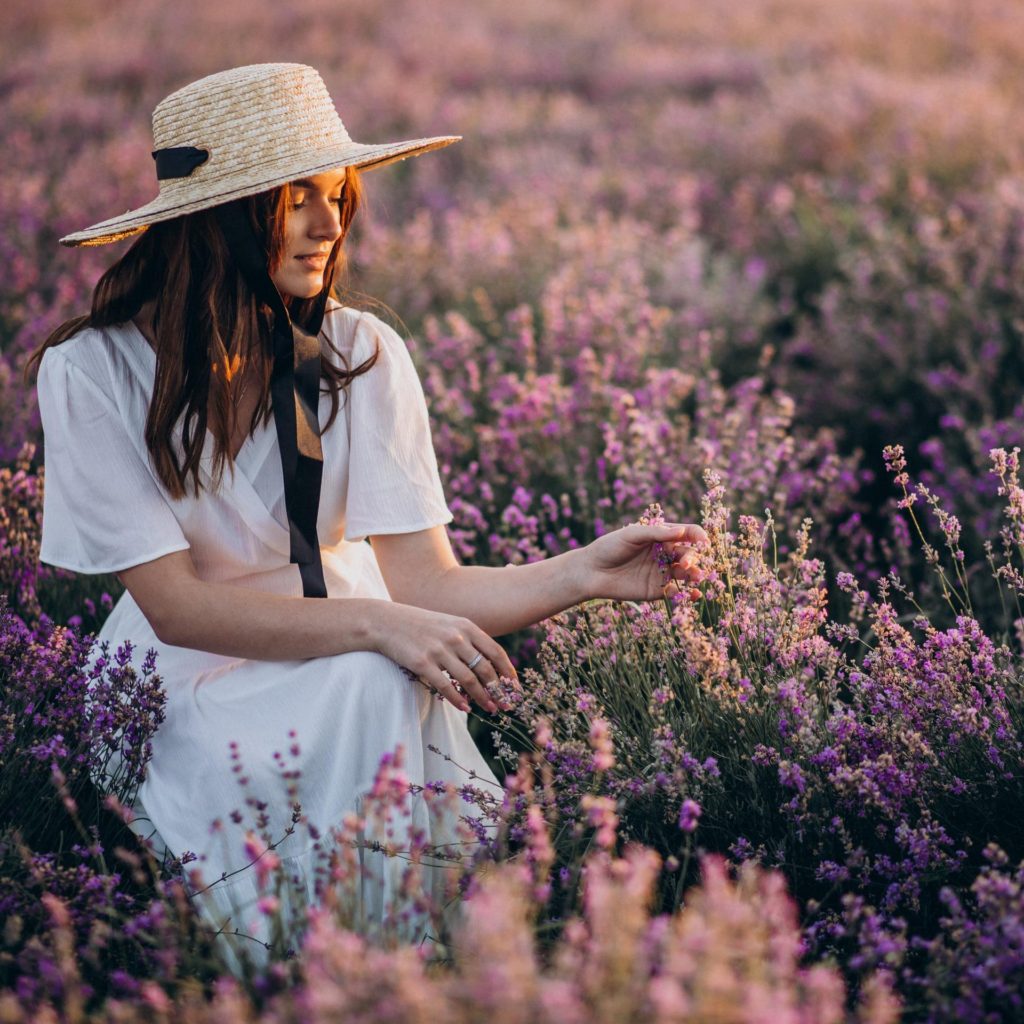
[
  {"x": 579, "y": 575},
  {"x": 369, "y": 624}
]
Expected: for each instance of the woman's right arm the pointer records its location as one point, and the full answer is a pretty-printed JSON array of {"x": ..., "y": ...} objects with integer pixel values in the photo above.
[{"x": 185, "y": 611}]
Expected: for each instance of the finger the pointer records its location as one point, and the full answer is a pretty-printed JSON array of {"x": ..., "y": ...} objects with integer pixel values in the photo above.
[
  {"x": 468, "y": 680},
  {"x": 483, "y": 668},
  {"x": 684, "y": 550},
  {"x": 497, "y": 688},
  {"x": 674, "y": 588},
  {"x": 488, "y": 675},
  {"x": 687, "y": 534},
  {"x": 506, "y": 678},
  {"x": 437, "y": 680},
  {"x": 687, "y": 571},
  {"x": 494, "y": 653},
  {"x": 685, "y": 558}
]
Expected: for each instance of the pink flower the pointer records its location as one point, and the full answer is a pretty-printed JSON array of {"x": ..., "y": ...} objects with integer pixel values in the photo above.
[
  {"x": 602, "y": 816},
  {"x": 542, "y": 733},
  {"x": 585, "y": 702},
  {"x": 268, "y": 905},
  {"x": 390, "y": 784},
  {"x": 58, "y": 910},
  {"x": 601, "y": 744},
  {"x": 262, "y": 857},
  {"x": 153, "y": 995}
]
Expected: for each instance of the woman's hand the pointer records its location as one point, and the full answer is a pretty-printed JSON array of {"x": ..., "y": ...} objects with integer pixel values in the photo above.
[
  {"x": 438, "y": 648},
  {"x": 624, "y": 564}
]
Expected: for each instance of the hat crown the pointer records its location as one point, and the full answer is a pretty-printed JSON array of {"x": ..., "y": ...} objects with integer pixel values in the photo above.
[
  {"x": 240, "y": 132},
  {"x": 253, "y": 116}
]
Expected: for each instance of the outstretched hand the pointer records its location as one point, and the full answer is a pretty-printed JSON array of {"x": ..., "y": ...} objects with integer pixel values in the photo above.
[{"x": 624, "y": 564}]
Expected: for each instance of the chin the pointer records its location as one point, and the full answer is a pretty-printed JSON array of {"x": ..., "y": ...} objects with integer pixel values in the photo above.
[{"x": 304, "y": 290}]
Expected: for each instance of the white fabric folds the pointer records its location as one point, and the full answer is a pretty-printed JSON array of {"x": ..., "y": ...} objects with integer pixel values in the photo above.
[{"x": 105, "y": 510}]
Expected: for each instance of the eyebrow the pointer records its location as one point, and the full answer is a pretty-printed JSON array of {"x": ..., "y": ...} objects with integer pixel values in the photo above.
[{"x": 309, "y": 183}]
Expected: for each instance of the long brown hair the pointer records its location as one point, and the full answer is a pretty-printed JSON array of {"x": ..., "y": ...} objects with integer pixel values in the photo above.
[{"x": 205, "y": 318}]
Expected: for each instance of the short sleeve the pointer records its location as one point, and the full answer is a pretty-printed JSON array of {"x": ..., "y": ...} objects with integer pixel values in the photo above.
[
  {"x": 393, "y": 481},
  {"x": 103, "y": 509}
]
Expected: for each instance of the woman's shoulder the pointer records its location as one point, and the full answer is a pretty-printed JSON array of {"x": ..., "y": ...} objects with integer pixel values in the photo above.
[
  {"x": 89, "y": 349},
  {"x": 338, "y": 316},
  {"x": 354, "y": 330}
]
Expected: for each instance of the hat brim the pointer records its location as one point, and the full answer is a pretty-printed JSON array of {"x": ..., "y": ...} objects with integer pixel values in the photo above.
[{"x": 351, "y": 154}]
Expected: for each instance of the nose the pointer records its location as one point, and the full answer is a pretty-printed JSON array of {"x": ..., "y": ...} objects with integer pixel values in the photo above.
[{"x": 326, "y": 223}]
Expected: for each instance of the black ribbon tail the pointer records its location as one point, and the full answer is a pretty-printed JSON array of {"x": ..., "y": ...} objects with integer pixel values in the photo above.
[{"x": 295, "y": 398}]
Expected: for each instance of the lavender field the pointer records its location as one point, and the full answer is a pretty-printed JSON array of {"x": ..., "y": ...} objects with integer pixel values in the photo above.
[{"x": 758, "y": 266}]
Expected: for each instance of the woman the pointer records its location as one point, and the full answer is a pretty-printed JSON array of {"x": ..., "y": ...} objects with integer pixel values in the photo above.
[{"x": 219, "y": 316}]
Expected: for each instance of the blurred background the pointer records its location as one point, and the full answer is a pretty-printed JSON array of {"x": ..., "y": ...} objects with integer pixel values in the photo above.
[{"x": 767, "y": 238}]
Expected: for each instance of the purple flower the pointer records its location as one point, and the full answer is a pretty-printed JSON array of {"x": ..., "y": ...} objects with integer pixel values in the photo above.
[{"x": 689, "y": 815}]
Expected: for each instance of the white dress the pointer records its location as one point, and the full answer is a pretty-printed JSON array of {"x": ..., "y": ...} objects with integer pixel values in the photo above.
[{"x": 106, "y": 510}]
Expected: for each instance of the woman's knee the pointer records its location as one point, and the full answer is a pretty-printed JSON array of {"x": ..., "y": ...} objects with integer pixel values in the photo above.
[{"x": 372, "y": 678}]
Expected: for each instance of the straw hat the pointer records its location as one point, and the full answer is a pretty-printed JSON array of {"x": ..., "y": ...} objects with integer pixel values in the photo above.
[{"x": 242, "y": 131}]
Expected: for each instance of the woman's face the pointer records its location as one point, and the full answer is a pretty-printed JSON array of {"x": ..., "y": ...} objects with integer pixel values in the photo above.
[{"x": 312, "y": 226}]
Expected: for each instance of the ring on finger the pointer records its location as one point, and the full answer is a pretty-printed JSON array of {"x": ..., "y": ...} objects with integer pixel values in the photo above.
[{"x": 476, "y": 661}]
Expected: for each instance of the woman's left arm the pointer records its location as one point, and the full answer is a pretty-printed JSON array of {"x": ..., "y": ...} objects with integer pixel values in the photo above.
[{"x": 421, "y": 569}]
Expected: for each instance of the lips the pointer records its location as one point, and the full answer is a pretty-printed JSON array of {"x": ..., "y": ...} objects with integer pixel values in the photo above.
[{"x": 313, "y": 261}]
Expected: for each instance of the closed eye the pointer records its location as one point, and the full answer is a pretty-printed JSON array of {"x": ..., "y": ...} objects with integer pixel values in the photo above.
[{"x": 336, "y": 199}]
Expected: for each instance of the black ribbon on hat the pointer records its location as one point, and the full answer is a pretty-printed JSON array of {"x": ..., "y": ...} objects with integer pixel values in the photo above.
[
  {"x": 294, "y": 392},
  {"x": 178, "y": 161}
]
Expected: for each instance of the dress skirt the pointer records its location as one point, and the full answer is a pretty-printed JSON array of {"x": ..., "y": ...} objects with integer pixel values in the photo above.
[
  {"x": 234, "y": 726},
  {"x": 237, "y": 735}
]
